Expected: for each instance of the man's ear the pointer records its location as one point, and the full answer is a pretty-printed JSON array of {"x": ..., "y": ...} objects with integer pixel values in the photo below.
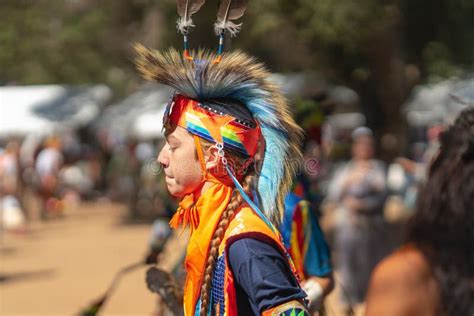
[{"x": 211, "y": 157}]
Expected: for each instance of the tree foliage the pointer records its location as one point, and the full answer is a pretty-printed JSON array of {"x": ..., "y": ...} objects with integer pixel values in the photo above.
[
  {"x": 381, "y": 48},
  {"x": 89, "y": 41}
]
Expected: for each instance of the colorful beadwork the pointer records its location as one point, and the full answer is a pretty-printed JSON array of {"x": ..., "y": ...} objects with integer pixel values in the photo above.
[{"x": 217, "y": 290}]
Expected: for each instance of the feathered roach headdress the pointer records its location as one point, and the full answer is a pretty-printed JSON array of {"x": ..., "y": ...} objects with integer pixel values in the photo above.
[{"x": 208, "y": 80}]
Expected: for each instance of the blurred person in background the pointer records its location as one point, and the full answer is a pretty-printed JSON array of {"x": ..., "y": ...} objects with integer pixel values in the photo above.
[
  {"x": 9, "y": 169},
  {"x": 416, "y": 168},
  {"x": 358, "y": 189},
  {"x": 300, "y": 228},
  {"x": 148, "y": 198},
  {"x": 433, "y": 273},
  {"x": 308, "y": 248},
  {"x": 74, "y": 180},
  {"x": 11, "y": 212},
  {"x": 48, "y": 164},
  {"x": 119, "y": 176}
]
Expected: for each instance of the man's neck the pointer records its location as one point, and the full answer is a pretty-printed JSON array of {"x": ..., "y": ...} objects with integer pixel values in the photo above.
[{"x": 206, "y": 186}]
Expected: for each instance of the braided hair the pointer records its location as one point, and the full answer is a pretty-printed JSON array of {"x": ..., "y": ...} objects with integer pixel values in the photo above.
[{"x": 226, "y": 217}]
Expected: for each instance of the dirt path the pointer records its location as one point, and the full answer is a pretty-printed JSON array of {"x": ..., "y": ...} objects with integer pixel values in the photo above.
[{"x": 62, "y": 265}]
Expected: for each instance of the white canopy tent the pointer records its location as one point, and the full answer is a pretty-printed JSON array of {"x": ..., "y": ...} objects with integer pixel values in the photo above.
[
  {"x": 45, "y": 109},
  {"x": 439, "y": 103},
  {"x": 303, "y": 85},
  {"x": 149, "y": 125},
  {"x": 139, "y": 115}
]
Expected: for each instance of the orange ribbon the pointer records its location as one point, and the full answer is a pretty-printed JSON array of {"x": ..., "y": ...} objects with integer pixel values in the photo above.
[
  {"x": 202, "y": 213},
  {"x": 186, "y": 214}
]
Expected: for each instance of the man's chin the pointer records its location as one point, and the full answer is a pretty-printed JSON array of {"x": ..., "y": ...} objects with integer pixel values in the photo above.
[{"x": 175, "y": 192}]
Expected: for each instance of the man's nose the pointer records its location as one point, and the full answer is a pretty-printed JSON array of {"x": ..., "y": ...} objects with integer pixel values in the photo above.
[{"x": 163, "y": 158}]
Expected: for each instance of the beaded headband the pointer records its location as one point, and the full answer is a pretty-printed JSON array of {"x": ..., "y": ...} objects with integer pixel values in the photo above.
[{"x": 235, "y": 134}]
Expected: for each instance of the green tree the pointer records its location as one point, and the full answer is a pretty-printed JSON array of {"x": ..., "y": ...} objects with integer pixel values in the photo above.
[{"x": 381, "y": 48}]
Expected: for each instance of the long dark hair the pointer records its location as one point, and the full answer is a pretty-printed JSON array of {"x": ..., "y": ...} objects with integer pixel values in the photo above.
[{"x": 443, "y": 226}]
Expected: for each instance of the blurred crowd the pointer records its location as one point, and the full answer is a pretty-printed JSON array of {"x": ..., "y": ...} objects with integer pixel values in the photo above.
[
  {"x": 363, "y": 203},
  {"x": 42, "y": 177}
]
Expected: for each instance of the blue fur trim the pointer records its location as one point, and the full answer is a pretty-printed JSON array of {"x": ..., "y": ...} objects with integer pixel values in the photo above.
[{"x": 272, "y": 171}]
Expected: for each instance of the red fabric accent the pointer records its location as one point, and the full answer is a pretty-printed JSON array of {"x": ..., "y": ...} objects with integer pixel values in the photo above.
[
  {"x": 297, "y": 241},
  {"x": 250, "y": 138},
  {"x": 299, "y": 190},
  {"x": 298, "y": 219},
  {"x": 230, "y": 295}
]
